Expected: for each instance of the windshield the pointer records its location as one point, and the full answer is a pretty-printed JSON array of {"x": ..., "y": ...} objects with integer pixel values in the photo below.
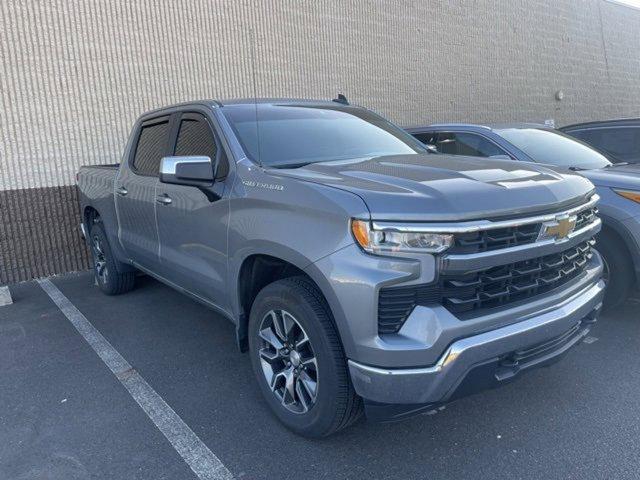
[
  {"x": 555, "y": 148},
  {"x": 294, "y": 135}
]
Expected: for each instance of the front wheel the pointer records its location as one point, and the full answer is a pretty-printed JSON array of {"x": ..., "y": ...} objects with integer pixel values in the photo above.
[
  {"x": 298, "y": 359},
  {"x": 108, "y": 278}
]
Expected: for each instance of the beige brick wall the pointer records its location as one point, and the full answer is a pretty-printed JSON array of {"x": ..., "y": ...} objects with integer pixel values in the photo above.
[{"x": 74, "y": 74}]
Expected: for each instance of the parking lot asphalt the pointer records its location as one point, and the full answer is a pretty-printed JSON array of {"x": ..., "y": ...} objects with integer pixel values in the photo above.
[{"x": 63, "y": 414}]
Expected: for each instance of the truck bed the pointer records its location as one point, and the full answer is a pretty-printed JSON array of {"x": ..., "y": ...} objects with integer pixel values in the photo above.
[
  {"x": 108, "y": 166},
  {"x": 96, "y": 189}
]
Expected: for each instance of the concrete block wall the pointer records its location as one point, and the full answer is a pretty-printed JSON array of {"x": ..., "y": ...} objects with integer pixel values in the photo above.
[{"x": 74, "y": 74}]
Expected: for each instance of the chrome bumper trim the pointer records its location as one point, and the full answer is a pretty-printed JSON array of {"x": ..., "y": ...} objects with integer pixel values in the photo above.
[{"x": 434, "y": 384}]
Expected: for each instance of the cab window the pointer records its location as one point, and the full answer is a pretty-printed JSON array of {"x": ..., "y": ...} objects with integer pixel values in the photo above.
[
  {"x": 151, "y": 146},
  {"x": 195, "y": 138}
]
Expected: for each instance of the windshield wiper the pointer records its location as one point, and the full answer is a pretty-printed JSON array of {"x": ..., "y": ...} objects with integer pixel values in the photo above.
[
  {"x": 291, "y": 165},
  {"x": 576, "y": 169}
]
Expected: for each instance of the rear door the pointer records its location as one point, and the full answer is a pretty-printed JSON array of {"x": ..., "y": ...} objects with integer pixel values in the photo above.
[
  {"x": 193, "y": 226},
  {"x": 136, "y": 192}
]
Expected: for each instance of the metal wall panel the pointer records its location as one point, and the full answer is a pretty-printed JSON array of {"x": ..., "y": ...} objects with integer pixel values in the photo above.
[{"x": 75, "y": 74}]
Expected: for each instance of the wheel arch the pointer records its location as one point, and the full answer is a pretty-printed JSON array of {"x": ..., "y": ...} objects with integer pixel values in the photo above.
[
  {"x": 256, "y": 271},
  {"x": 89, "y": 215},
  {"x": 614, "y": 228}
]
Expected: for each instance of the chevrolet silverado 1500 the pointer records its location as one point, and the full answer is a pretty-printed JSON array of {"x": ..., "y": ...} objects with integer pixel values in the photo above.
[{"x": 359, "y": 269}]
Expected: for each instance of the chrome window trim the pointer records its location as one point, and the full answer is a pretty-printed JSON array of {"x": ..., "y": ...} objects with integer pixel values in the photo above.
[{"x": 478, "y": 225}]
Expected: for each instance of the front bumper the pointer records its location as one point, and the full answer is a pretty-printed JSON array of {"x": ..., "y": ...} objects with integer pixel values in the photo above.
[{"x": 480, "y": 361}]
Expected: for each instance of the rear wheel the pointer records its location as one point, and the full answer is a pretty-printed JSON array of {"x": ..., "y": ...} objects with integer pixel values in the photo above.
[
  {"x": 105, "y": 269},
  {"x": 618, "y": 269},
  {"x": 298, "y": 359}
]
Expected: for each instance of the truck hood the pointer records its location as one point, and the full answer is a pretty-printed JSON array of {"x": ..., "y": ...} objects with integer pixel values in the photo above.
[
  {"x": 447, "y": 188},
  {"x": 615, "y": 176}
]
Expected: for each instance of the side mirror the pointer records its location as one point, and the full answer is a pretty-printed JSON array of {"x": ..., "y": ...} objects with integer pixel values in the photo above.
[{"x": 194, "y": 170}]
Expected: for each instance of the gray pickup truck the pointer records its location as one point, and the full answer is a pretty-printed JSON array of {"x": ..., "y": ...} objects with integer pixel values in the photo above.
[{"x": 359, "y": 269}]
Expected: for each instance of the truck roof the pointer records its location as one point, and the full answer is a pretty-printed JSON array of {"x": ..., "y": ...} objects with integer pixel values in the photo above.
[
  {"x": 244, "y": 101},
  {"x": 247, "y": 101}
]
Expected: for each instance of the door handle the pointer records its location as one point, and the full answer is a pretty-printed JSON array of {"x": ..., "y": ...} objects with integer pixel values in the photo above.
[
  {"x": 164, "y": 199},
  {"x": 122, "y": 191}
]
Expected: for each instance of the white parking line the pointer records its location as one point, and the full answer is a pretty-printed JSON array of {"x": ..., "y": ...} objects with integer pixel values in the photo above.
[{"x": 192, "y": 450}]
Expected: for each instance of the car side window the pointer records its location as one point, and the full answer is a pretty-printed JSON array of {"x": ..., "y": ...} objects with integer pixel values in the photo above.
[
  {"x": 428, "y": 138},
  {"x": 152, "y": 142},
  {"x": 622, "y": 143},
  {"x": 591, "y": 136},
  {"x": 195, "y": 138},
  {"x": 462, "y": 143}
]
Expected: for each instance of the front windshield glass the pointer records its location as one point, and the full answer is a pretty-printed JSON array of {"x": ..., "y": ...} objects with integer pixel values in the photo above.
[
  {"x": 555, "y": 148},
  {"x": 298, "y": 134}
]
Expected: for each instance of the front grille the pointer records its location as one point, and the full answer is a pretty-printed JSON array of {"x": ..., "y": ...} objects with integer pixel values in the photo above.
[
  {"x": 497, "y": 238},
  {"x": 475, "y": 293},
  {"x": 586, "y": 217},
  {"x": 494, "y": 239}
]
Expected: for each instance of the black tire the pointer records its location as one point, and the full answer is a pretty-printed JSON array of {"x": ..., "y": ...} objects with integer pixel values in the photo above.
[
  {"x": 336, "y": 404},
  {"x": 618, "y": 269},
  {"x": 106, "y": 268}
]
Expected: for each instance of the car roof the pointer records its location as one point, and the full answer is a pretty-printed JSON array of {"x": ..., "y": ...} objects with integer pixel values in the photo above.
[
  {"x": 619, "y": 122},
  {"x": 475, "y": 126}
]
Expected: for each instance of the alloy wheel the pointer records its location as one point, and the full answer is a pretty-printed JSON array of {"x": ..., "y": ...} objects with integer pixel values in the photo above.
[
  {"x": 288, "y": 361},
  {"x": 99, "y": 260},
  {"x": 606, "y": 272}
]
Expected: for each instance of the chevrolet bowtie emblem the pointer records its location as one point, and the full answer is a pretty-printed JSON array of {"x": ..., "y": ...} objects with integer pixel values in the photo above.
[{"x": 559, "y": 228}]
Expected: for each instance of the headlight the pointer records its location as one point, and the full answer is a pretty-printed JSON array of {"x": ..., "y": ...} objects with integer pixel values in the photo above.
[
  {"x": 378, "y": 241},
  {"x": 629, "y": 194}
]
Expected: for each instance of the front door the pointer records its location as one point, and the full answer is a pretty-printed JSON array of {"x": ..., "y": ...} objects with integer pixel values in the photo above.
[
  {"x": 192, "y": 222},
  {"x": 136, "y": 192}
]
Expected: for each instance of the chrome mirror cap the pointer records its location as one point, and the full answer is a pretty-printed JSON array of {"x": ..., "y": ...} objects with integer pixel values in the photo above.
[{"x": 188, "y": 170}]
